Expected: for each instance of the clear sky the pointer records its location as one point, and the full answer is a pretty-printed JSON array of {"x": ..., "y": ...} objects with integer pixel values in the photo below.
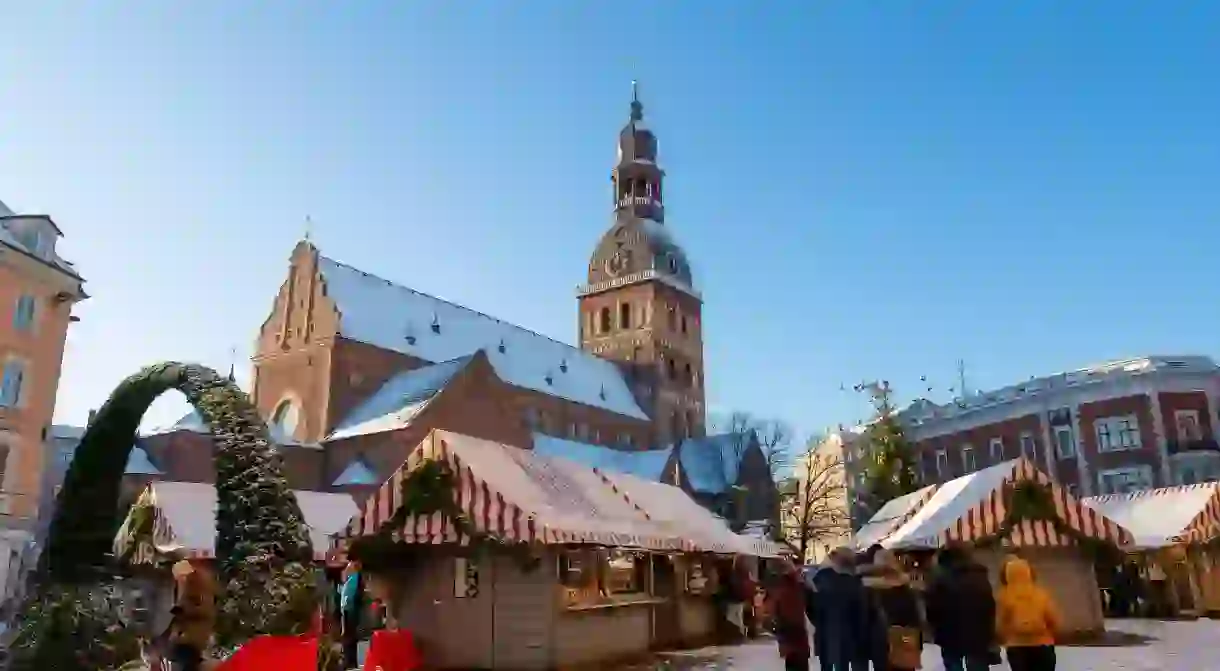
[{"x": 865, "y": 189}]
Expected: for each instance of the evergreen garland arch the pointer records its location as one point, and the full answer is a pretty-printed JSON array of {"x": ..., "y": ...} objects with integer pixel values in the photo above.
[{"x": 74, "y": 620}]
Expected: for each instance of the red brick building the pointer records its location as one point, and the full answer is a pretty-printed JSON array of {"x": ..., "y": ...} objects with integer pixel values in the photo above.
[
  {"x": 1121, "y": 426},
  {"x": 352, "y": 370}
]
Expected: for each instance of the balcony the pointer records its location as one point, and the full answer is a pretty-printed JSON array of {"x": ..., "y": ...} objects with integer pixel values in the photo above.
[{"x": 1199, "y": 445}]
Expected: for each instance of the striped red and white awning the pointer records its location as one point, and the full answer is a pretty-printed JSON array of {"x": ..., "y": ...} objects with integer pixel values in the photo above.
[
  {"x": 502, "y": 494},
  {"x": 974, "y": 507}
]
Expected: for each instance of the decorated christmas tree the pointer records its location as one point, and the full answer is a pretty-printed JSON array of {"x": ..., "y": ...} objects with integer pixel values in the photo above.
[{"x": 891, "y": 470}]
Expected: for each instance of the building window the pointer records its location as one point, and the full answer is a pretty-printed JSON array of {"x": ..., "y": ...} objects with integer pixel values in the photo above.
[
  {"x": 997, "y": 450},
  {"x": 284, "y": 420},
  {"x": 23, "y": 317},
  {"x": 684, "y": 323},
  {"x": 942, "y": 464},
  {"x": 671, "y": 368},
  {"x": 1029, "y": 448},
  {"x": 626, "y": 440},
  {"x": 582, "y": 431},
  {"x": 1118, "y": 433},
  {"x": 968, "y": 461},
  {"x": 624, "y": 315},
  {"x": 12, "y": 384},
  {"x": 673, "y": 319},
  {"x": 688, "y": 374},
  {"x": 531, "y": 417},
  {"x": 1065, "y": 444},
  {"x": 1124, "y": 480},
  {"x": 1187, "y": 423},
  {"x": 603, "y": 321}
]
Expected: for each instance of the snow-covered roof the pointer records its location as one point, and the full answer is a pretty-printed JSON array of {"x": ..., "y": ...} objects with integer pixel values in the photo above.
[
  {"x": 378, "y": 312},
  {"x": 712, "y": 464},
  {"x": 190, "y": 422},
  {"x": 923, "y": 411},
  {"x": 1158, "y": 517},
  {"x": 647, "y": 464},
  {"x": 670, "y": 504},
  {"x": 890, "y": 517},
  {"x": 139, "y": 463},
  {"x": 950, "y": 502},
  {"x": 358, "y": 472},
  {"x": 188, "y": 511},
  {"x": 398, "y": 401}
]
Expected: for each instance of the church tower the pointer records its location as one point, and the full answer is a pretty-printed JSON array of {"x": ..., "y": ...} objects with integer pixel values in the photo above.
[{"x": 640, "y": 306}]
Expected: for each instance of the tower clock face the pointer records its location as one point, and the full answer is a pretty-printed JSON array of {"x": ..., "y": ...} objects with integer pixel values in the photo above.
[{"x": 618, "y": 262}]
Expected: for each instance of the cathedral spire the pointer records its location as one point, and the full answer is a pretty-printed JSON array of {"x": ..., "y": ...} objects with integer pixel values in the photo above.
[
  {"x": 637, "y": 178},
  {"x": 637, "y": 108}
]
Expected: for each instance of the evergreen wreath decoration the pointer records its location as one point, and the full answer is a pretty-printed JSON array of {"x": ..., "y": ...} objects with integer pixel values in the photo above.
[
  {"x": 1028, "y": 500},
  {"x": 425, "y": 491},
  {"x": 75, "y": 618}
]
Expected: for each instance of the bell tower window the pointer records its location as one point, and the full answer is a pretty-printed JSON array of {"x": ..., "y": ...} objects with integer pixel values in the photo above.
[
  {"x": 624, "y": 315},
  {"x": 604, "y": 320}
]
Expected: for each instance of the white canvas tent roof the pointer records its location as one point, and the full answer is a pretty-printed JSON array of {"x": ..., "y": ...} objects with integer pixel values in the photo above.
[
  {"x": 185, "y": 518},
  {"x": 1166, "y": 516}
]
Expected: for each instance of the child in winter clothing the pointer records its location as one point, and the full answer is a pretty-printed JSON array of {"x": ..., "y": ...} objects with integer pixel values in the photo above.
[
  {"x": 194, "y": 615},
  {"x": 1027, "y": 619}
]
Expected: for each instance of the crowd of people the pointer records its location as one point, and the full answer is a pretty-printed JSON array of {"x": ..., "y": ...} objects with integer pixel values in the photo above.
[{"x": 868, "y": 612}]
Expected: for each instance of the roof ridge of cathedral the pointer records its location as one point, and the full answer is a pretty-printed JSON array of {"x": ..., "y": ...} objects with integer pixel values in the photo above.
[{"x": 460, "y": 306}]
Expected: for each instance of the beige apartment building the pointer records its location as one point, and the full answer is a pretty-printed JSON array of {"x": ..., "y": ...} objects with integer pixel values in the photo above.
[{"x": 37, "y": 292}]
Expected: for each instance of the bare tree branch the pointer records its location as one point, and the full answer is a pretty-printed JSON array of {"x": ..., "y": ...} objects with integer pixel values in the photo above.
[{"x": 814, "y": 504}]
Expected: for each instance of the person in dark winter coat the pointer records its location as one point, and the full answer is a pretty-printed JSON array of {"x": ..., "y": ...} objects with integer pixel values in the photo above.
[
  {"x": 843, "y": 621},
  {"x": 786, "y": 598},
  {"x": 961, "y": 610},
  {"x": 898, "y": 645}
]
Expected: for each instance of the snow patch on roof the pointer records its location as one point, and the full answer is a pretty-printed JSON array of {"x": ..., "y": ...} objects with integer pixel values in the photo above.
[
  {"x": 398, "y": 401},
  {"x": 890, "y": 515},
  {"x": 378, "y": 312},
  {"x": 646, "y": 464},
  {"x": 357, "y": 472},
  {"x": 713, "y": 463},
  {"x": 191, "y": 422}
]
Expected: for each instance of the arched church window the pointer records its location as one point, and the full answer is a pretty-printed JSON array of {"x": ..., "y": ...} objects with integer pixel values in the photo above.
[
  {"x": 671, "y": 368},
  {"x": 285, "y": 419},
  {"x": 624, "y": 315},
  {"x": 673, "y": 319},
  {"x": 604, "y": 320}
]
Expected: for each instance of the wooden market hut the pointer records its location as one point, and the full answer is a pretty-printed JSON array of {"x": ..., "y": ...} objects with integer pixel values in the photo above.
[
  {"x": 496, "y": 557},
  {"x": 178, "y": 519},
  {"x": 1012, "y": 508},
  {"x": 684, "y": 615},
  {"x": 1178, "y": 530}
]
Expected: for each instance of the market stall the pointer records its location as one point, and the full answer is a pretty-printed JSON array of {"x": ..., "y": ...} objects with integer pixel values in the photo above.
[
  {"x": 173, "y": 520},
  {"x": 1012, "y": 508},
  {"x": 497, "y": 557},
  {"x": 1176, "y": 532}
]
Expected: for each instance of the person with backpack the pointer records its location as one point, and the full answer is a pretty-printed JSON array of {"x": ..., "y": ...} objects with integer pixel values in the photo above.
[{"x": 1027, "y": 619}]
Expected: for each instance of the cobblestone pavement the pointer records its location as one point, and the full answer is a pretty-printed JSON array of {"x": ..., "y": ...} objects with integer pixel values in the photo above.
[{"x": 1139, "y": 645}]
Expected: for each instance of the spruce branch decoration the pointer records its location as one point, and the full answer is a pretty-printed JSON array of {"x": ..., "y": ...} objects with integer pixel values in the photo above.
[
  {"x": 262, "y": 544},
  {"x": 425, "y": 491},
  {"x": 1027, "y": 500}
]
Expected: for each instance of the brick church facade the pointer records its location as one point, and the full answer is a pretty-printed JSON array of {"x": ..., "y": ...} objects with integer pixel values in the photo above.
[{"x": 352, "y": 370}]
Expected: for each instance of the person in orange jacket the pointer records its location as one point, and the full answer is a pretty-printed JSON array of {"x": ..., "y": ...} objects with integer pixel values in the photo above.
[{"x": 1027, "y": 619}]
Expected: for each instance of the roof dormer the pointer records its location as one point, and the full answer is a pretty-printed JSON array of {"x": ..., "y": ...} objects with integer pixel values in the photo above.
[{"x": 35, "y": 234}]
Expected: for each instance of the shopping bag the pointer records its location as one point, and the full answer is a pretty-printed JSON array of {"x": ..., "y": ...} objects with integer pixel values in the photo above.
[
  {"x": 393, "y": 650},
  {"x": 282, "y": 653}
]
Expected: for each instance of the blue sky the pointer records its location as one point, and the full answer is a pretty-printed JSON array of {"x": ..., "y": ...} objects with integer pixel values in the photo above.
[{"x": 865, "y": 189}]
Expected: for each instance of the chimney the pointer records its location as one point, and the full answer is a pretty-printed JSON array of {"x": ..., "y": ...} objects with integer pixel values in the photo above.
[{"x": 92, "y": 415}]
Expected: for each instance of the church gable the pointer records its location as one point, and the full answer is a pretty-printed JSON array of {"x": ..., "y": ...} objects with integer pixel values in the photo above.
[{"x": 392, "y": 317}]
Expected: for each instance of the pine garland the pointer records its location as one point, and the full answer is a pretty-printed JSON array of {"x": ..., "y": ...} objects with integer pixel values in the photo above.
[
  {"x": 262, "y": 545},
  {"x": 426, "y": 491},
  {"x": 1032, "y": 501}
]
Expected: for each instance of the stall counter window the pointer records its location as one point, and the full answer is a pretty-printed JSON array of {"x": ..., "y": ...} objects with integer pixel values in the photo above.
[{"x": 603, "y": 578}]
